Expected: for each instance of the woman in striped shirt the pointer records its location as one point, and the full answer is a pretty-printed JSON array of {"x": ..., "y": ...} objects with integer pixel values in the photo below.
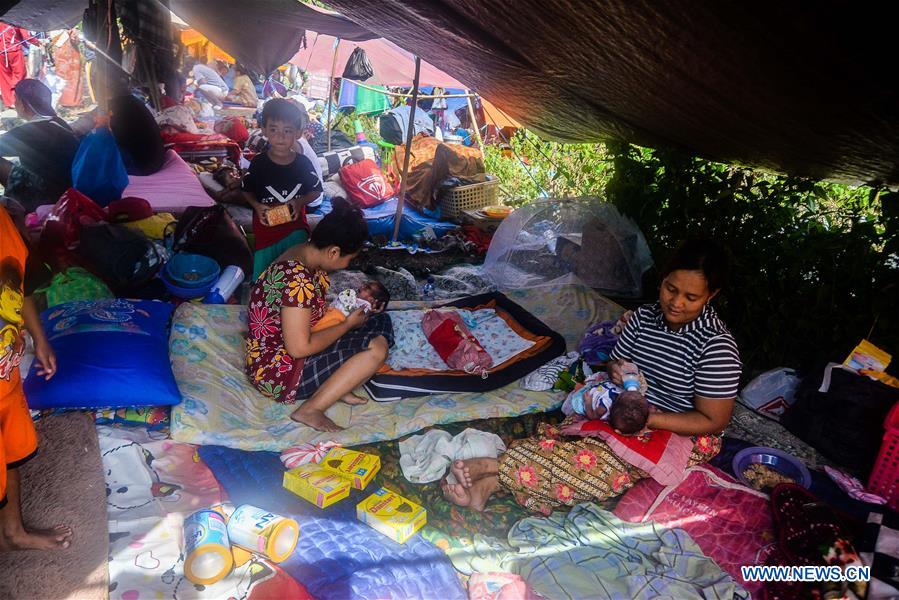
[{"x": 692, "y": 368}]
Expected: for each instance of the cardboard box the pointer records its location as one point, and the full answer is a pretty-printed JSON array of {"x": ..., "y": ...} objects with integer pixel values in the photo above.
[
  {"x": 359, "y": 468},
  {"x": 316, "y": 485},
  {"x": 392, "y": 515}
]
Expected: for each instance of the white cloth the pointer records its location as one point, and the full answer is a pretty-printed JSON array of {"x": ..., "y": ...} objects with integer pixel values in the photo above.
[
  {"x": 425, "y": 458},
  {"x": 544, "y": 378}
]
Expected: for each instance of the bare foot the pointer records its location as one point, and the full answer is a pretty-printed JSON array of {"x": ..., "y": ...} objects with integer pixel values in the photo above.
[
  {"x": 58, "y": 538},
  {"x": 462, "y": 473},
  {"x": 474, "y": 497},
  {"x": 314, "y": 418},
  {"x": 353, "y": 400}
]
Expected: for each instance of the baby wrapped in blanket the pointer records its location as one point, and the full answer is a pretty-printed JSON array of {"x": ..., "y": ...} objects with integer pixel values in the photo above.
[{"x": 371, "y": 296}]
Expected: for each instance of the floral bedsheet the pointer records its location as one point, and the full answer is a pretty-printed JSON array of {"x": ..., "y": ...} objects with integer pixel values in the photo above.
[{"x": 220, "y": 406}]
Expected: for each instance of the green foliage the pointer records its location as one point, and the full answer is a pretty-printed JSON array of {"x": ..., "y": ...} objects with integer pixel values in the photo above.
[
  {"x": 814, "y": 265},
  {"x": 554, "y": 169}
]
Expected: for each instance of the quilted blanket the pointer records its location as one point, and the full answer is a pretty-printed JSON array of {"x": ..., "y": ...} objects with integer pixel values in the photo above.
[
  {"x": 337, "y": 556},
  {"x": 220, "y": 407},
  {"x": 590, "y": 553}
]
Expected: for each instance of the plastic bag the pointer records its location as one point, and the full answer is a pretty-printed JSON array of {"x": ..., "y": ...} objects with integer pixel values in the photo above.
[
  {"x": 74, "y": 284},
  {"x": 98, "y": 170},
  {"x": 455, "y": 344},
  {"x": 62, "y": 227},
  {"x": 772, "y": 392},
  {"x": 358, "y": 67}
]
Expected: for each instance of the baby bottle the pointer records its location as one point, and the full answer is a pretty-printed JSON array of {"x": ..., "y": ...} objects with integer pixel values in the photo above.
[{"x": 630, "y": 377}]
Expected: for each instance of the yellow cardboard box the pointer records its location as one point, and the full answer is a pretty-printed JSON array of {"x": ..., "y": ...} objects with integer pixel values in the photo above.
[
  {"x": 316, "y": 485},
  {"x": 392, "y": 515},
  {"x": 359, "y": 468}
]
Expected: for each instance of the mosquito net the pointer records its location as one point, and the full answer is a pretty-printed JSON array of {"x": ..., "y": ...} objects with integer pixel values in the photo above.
[{"x": 569, "y": 240}]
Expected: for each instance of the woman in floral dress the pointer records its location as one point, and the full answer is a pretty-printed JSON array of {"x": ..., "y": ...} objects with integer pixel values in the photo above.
[
  {"x": 286, "y": 361},
  {"x": 692, "y": 367}
]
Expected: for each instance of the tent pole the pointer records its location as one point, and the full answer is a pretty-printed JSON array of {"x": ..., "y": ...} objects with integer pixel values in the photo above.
[
  {"x": 331, "y": 90},
  {"x": 408, "y": 152},
  {"x": 474, "y": 125}
]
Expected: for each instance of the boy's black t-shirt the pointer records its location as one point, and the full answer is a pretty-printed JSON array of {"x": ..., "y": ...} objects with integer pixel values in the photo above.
[{"x": 273, "y": 184}]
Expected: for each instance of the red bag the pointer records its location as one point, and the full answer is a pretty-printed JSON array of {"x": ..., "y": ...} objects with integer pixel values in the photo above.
[
  {"x": 365, "y": 183},
  {"x": 455, "y": 344},
  {"x": 62, "y": 227}
]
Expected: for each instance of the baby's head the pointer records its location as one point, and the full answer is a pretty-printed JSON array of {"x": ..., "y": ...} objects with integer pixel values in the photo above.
[
  {"x": 629, "y": 413},
  {"x": 375, "y": 294}
]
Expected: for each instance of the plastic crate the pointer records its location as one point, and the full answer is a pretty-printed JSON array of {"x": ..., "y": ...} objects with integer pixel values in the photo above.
[
  {"x": 468, "y": 197},
  {"x": 884, "y": 480}
]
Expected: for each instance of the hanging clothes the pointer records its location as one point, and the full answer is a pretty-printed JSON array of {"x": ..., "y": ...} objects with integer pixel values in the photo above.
[{"x": 69, "y": 64}]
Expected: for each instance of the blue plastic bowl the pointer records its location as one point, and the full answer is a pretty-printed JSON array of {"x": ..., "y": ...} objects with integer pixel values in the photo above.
[
  {"x": 192, "y": 270},
  {"x": 783, "y": 463},
  {"x": 186, "y": 293}
]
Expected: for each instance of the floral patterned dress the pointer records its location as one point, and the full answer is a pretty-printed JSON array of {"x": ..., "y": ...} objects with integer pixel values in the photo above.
[
  {"x": 552, "y": 470},
  {"x": 284, "y": 284}
]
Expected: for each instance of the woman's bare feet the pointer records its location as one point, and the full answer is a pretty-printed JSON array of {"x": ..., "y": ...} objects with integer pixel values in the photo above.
[
  {"x": 353, "y": 400},
  {"x": 58, "y": 538},
  {"x": 314, "y": 418},
  {"x": 477, "y": 481}
]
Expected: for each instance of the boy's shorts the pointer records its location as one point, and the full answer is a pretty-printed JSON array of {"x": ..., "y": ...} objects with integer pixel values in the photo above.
[{"x": 18, "y": 439}]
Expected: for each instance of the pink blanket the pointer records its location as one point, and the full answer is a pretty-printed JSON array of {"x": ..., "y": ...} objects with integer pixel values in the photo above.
[
  {"x": 172, "y": 189},
  {"x": 730, "y": 522}
]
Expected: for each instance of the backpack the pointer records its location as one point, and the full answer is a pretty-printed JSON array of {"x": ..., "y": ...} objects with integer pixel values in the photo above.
[
  {"x": 123, "y": 258},
  {"x": 212, "y": 232},
  {"x": 845, "y": 423},
  {"x": 365, "y": 184}
]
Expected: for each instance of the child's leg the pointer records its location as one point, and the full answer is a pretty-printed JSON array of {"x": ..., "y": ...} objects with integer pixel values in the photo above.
[
  {"x": 14, "y": 535},
  {"x": 351, "y": 374},
  {"x": 19, "y": 444}
]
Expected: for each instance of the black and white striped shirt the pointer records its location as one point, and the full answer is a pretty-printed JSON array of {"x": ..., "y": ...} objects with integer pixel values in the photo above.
[{"x": 700, "y": 359}]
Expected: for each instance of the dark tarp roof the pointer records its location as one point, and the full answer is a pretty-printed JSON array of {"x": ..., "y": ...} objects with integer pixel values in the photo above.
[
  {"x": 262, "y": 34},
  {"x": 788, "y": 85}
]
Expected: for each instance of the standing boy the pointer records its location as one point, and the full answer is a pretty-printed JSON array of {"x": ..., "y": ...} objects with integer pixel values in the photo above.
[
  {"x": 18, "y": 439},
  {"x": 279, "y": 185}
]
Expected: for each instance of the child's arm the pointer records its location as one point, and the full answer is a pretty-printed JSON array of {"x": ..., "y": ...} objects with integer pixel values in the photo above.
[
  {"x": 43, "y": 352},
  {"x": 301, "y": 201}
]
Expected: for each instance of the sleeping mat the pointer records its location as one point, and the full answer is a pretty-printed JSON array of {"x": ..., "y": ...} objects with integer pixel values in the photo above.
[{"x": 337, "y": 556}]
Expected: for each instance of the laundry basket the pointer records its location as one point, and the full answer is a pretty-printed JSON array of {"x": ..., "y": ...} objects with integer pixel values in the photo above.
[
  {"x": 884, "y": 480},
  {"x": 468, "y": 197}
]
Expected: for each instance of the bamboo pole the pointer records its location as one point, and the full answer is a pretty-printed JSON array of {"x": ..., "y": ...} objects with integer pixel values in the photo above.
[
  {"x": 331, "y": 91},
  {"x": 408, "y": 153},
  {"x": 477, "y": 130}
]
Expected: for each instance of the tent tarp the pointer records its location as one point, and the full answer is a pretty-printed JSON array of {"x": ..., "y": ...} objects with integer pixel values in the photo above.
[
  {"x": 392, "y": 65},
  {"x": 262, "y": 34},
  {"x": 785, "y": 85}
]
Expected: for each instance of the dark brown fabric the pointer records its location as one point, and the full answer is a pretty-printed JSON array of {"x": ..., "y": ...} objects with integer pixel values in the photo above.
[{"x": 790, "y": 86}]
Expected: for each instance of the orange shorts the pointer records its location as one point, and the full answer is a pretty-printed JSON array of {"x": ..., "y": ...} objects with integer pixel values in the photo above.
[{"x": 18, "y": 439}]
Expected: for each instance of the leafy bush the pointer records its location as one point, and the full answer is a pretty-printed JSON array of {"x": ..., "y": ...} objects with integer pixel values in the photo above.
[{"x": 815, "y": 265}]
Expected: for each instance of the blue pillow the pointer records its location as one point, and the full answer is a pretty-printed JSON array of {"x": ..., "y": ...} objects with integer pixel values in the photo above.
[{"x": 109, "y": 353}]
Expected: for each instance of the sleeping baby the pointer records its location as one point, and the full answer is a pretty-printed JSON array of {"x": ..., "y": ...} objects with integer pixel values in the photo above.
[
  {"x": 625, "y": 408},
  {"x": 372, "y": 296}
]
